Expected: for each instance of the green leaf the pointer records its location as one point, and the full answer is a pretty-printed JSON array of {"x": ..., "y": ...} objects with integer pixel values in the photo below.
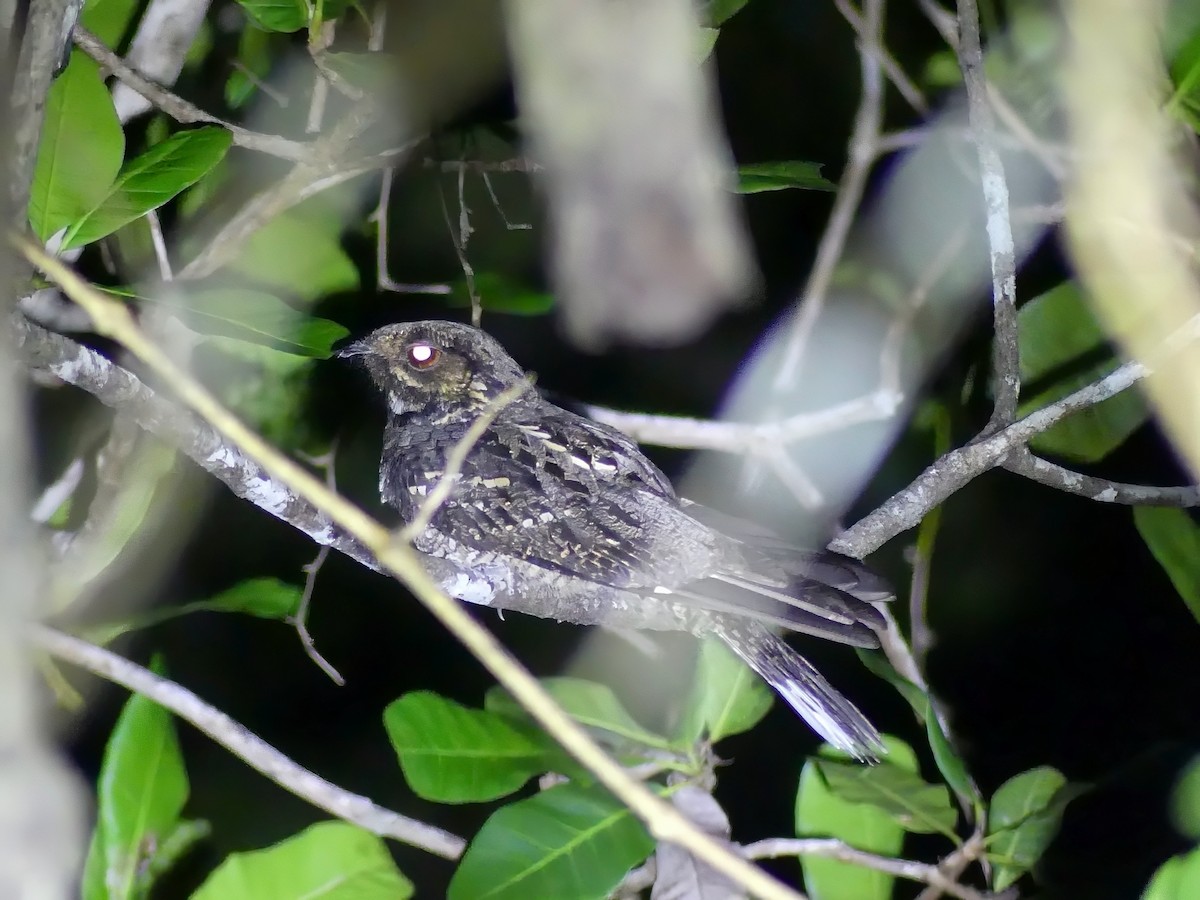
[
  {"x": 327, "y": 861},
  {"x": 151, "y": 180},
  {"x": 721, "y": 11},
  {"x": 109, "y": 20},
  {"x": 726, "y": 698},
  {"x": 780, "y": 176},
  {"x": 254, "y": 56},
  {"x": 260, "y": 318},
  {"x": 81, "y": 148},
  {"x": 916, "y": 804},
  {"x": 453, "y": 754},
  {"x": 1185, "y": 801},
  {"x": 303, "y": 256},
  {"x": 592, "y": 705},
  {"x": 1177, "y": 879},
  {"x": 142, "y": 789},
  {"x": 877, "y": 664},
  {"x": 949, "y": 763},
  {"x": 822, "y": 813},
  {"x": 1174, "y": 539},
  {"x": 277, "y": 15},
  {"x": 267, "y": 387},
  {"x": 501, "y": 294},
  {"x": 1056, "y": 330},
  {"x": 569, "y": 841},
  {"x": 266, "y": 598},
  {"x": 1024, "y": 817}
]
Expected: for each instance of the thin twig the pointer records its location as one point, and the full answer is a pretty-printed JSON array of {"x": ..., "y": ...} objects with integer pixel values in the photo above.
[
  {"x": 1023, "y": 462},
  {"x": 180, "y": 110},
  {"x": 383, "y": 277},
  {"x": 831, "y": 848},
  {"x": 663, "y": 821},
  {"x": 248, "y": 747},
  {"x": 1006, "y": 374},
  {"x": 891, "y": 67}
]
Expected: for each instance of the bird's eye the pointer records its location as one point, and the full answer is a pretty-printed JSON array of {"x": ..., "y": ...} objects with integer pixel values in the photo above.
[{"x": 423, "y": 356}]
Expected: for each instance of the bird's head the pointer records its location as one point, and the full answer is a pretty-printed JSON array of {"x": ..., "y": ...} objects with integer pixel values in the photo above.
[{"x": 435, "y": 366}]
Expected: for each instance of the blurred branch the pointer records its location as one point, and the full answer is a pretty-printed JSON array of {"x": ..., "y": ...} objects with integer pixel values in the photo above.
[
  {"x": 1006, "y": 375},
  {"x": 166, "y": 31},
  {"x": 863, "y": 151},
  {"x": 247, "y": 746},
  {"x": 181, "y": 110},
  {"x": 663, "y": 821},
  {"x": 891, "y": 67},
  {"x": 1102, "y": 490}
]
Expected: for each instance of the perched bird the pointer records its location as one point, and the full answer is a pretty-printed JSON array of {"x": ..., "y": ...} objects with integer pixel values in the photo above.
[{"x": 566, "y": 516}]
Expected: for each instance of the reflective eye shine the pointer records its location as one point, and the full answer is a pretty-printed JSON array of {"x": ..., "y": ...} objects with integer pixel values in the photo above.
[{"x": 422, "y": 355}]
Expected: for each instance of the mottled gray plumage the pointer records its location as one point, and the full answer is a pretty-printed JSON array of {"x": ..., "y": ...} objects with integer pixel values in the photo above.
[{"x": 568, "y": 511}]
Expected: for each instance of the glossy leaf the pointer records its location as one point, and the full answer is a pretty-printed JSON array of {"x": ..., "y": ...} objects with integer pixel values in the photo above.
[
  {"x": 1174, "y": 539},
  {"x": 151, "y": 180},
  {"x": 781, "y": 176},
  {"x": 1023, "y": 819},
  {"x": 81, "y": 148},
  {"x": 1057, "y": 330},
  {"x": 569, "y": 841},
  {"x": 109, "y": 20},
  {"x": 453, "y": 754},
  {"x": 914, "y": 803},
  {"x": 141, "y": 792},
  {"x": 727, "y": 698},
  {"x": 261, "y": 318},
  {"x": 591, "y": 704},
  {"x": 327, "y": 861},
  {"x": 822, "y": 813}
]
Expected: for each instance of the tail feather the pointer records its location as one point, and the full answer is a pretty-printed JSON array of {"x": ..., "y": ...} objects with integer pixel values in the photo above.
[{"x": 816, "y": 701}]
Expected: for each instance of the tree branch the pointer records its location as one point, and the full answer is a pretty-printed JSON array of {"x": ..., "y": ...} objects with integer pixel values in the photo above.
[
  {"x": 247, "y": 746},
  {"x": 1006, "y": 376},
  {"x": 179, "y": 109},
  {"x": 1102, "y": 490}
]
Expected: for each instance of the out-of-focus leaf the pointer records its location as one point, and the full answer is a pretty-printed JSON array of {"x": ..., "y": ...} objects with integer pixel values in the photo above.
[
  {"x": 142, "y": 789},
  {"x": 949, "y": 763},
  {"x": 683, "y": 876},
  {"x": 782, "y": 176},
  {"x": 109, "y": 20},
  {"x": 1057, "y": 329},
  {"x": 266, "y": 387},
  {"x": 1023, "y": 819},
  {"x": 149, "y": 181},
  {"x": 81, "y": 148},
  {"x": 569, "y": 841},
  {"x": 721, "y": 11},
  {"x": 1177, "y": 879},
  {"x": 277, "y": 15},
  {"x": 453, "y": 754},
  {"x": 914, "y": 803},
  {"x": 1185, "y": 801},
  {"x": 822, "y": 813},
  {"x": 254, "y": 56},
  {"x": 372, "y": 73},
  {"x": 300, "y": 255},
  {"x": 501, "y": 294},
  {"x": 327, "y": 861},
  {"x": 266, "y": 598},
  {"x": 1174, "y": 539},
  {"x": 593, "y": 705},
  {"x": 727, "y": 697}
]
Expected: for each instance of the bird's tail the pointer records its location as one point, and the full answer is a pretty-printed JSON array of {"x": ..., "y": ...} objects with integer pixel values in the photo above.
[{"x": 816, "y": 701}]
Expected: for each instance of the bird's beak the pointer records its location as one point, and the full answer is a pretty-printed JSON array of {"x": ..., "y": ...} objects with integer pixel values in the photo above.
[{"x": 358, "y": 348}]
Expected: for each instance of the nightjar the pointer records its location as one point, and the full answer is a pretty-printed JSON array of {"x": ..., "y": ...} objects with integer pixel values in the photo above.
[{"x": 560, "y": 516}]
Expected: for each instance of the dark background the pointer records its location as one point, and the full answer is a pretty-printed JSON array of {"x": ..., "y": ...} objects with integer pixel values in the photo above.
[{"x": 1059, "y": 640}]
